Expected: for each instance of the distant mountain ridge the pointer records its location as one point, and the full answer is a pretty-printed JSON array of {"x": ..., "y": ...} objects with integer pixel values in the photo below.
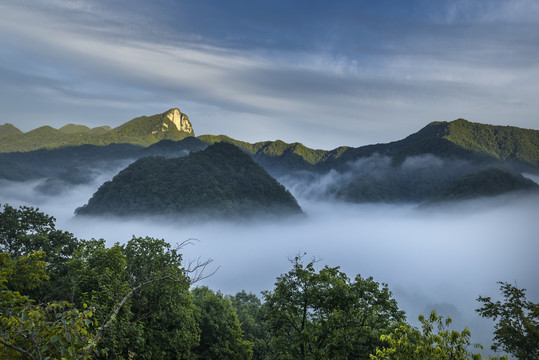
[
  {"x": 459, "y": 139},
  {"x": 417, "y": 168},
  {"x": 454, "y": 138},
  {"x": 143, "y": 130}
]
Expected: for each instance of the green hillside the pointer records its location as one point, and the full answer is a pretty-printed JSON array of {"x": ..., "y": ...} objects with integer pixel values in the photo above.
[
  {"x": 277, "y": 156},
  {"x": 458, "y": 139},
  {"x": 455, "y": 139},
  {"x": 220, "y": 181},
  {"x": 8, "y": 130},
  {"x": 487, "y": 182},
  {"x": 502, "y": 142},
  {"x": 144, "y": 130},
  {"x": 74, "y": 129}
]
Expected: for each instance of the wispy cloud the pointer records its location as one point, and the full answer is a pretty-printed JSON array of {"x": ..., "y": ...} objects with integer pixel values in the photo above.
[{"x": 363, "y": 80}]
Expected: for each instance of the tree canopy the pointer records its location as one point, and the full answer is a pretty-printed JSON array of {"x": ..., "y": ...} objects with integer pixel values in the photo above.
[
  {"x": 517, "y": 322},
  {"x": 65, "y": 298},
  {"x": 324, "y": 315}
]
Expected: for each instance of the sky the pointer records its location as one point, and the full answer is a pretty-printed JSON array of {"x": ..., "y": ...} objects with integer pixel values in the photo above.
[{"x": 322, "y": 73}]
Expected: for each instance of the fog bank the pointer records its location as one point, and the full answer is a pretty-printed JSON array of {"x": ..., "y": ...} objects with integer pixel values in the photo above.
[{"x": 442, "y": 257}]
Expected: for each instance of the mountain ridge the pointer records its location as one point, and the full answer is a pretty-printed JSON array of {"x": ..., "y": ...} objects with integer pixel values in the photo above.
[
  {"x": 414, "y": 169},
  {"x": 499, "y": 142},
  {"x": 143, "y": 130}
]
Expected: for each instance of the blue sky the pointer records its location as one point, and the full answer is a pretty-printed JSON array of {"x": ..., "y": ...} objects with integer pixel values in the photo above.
[{"x": 318, "y": 72}]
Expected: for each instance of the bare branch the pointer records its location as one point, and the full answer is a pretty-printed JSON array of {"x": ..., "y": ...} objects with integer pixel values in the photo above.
[{"x": 195, "y": 270}]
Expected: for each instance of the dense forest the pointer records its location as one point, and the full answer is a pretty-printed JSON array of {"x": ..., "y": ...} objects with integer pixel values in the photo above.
[
  {"x": 220, "y": 181},
  {"x": 68, "y": 298}
]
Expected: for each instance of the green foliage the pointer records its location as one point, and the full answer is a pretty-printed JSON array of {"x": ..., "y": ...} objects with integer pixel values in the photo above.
[
  {"x": 27, "y": 231},
  {"x": 25, "y": 272},
  {"x": 503, "y": 142},
  {"x": 251, "y": 312},
  {"x": 220, "y": 181},
  {"x": 158, "y": 321},
  {"x": 517, "y": 327},
  {"x": 56, "y": 330},
  {"x": 435, "y": 342},
  {"x": 24, "y": 230},
  {"x": 133, "y": 301},
  {"x": 164, "y": 309},
  {"x": 142, "y": 285},
  {"x": 221, "y": 335},
  {"x": 325, "y": 315}
]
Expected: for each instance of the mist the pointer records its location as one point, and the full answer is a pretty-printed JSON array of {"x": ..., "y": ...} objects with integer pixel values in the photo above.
[{"x": 439, "y": 258}]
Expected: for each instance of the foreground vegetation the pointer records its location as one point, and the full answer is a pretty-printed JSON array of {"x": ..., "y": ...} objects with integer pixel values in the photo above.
[{"x": 66, "y": 298}]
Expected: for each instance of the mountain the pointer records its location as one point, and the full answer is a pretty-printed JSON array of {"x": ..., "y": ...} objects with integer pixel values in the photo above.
[
  {"x": 501, "y": 142},
  {"x": 220, "y": 181},
  {"x": 456, "y": 139},
  {"x": 487, "y": 182},
  {"x": 417, "y": 168},
  {"x": 8, "y": 130},
  {"x": 144, "y": 130},
  {"x": 81, "y": 129}
]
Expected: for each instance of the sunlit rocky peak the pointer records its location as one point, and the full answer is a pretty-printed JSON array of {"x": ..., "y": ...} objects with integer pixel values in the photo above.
[{"x": 180, "y": 120}]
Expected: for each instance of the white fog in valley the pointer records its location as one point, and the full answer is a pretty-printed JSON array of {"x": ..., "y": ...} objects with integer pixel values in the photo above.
[{"x": 439, "y": 258}]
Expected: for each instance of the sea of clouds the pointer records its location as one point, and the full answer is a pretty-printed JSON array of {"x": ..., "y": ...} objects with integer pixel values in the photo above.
[{"x": 439, "y": 258}]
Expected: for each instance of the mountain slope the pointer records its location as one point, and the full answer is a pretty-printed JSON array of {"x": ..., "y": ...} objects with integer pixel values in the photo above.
[
  {"x": 9, "y": 130},
  {"x": 455, "y": 139},
  {"x": 487, "y": 182},
  {"x": 144, "y": 130},
  {"x": 220, "y": 181},
  {"x": 502, "y": 142}
]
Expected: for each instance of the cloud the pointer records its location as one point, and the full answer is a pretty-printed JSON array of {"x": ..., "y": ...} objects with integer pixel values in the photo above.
[
  {"x": 351, "y": 77},
  {"x": 443, "y": 258}
]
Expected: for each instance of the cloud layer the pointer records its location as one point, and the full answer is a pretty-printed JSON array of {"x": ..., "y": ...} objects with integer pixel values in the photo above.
[
  {"x": 437, "y": 258},
  {"x": 323, "y": 75}
]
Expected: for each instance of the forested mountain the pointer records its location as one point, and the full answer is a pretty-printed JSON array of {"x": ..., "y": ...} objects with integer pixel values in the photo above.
[
  {"x": 487, "y": 182},
  {"x": 144, "y": 130},
  {"x": 220, "y": 181},
  {"x": 9, "y": 130},
  {"x": 415, "y": 169},
  {"x": 456, "y": 139}
]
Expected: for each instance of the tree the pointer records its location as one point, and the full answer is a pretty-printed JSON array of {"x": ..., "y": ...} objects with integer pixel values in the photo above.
[
  {"x": 406, "y": 343},
  {"x": 26, "y": 231},
  {"x": 517, "y": 330},
  {"x": 164, "y": 307},
  {"x": 38, "y": 331},
  {"x": 221, "y": 335},
  {"x": 325, "y": 315},
  {"x": 140, "y": 291},
  {"x": 138, "y": 294},
  {"x": 250, "y": 311}
]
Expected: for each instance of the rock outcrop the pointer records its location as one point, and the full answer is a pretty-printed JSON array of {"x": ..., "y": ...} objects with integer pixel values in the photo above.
[{"x": 180, "y": 120}]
